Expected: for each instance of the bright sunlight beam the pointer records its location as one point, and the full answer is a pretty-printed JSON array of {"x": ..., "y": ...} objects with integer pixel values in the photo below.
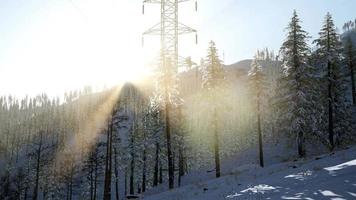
[{"x": 70, "y": 44}]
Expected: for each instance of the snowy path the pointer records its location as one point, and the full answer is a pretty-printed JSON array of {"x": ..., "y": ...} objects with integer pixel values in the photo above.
[{"x": 326, "y": 177}]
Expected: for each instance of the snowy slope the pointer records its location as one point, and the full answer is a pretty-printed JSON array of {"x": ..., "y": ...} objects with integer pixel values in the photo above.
[{"x": 330, "y": 176}]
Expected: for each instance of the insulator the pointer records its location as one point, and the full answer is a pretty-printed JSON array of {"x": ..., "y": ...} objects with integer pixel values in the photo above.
[
  {"x": 143, "y": 9},
  {"x": 196, "y": 5},
  {"x": 196, "y": 38},
  {"x": 143, "y": 41}
]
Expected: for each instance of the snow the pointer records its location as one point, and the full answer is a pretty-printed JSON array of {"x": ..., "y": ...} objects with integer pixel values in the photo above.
[
  {"x": 330, "y": 176},
  {"x": 341, "y": 166}
]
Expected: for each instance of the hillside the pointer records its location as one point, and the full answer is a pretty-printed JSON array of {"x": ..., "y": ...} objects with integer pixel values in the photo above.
[{"x": 329, "y": 176}]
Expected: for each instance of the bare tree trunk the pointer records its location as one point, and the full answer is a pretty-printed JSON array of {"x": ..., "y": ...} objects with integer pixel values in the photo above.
[
  {"x": 352, "y": 76},
  {"x": 68, "y": 188},
  {"x": 110, "y": 157},
  {"x": 132, "y": 168},
  {"x": 160, "y": 179},
  {"x": 301, "y": 151},
  {"x": 125, "y": 182},
  {"x": 259, "y": 132},
  {"x": 38, "y": 164},
  {"x": 331, "y": 122},
  {"x": 169, "y": 150},
  {"x": 27, "y": 182},
  {"x": 25, "y": 195},
  {"x": 71, "y": 183},
  {"x": 180, "y": 148},
  {"x": 180, "y": 166},
  {"x": 144, "y": 171},
  {"x": 116, "y": 175},
  {"x": 216, "y": 145},
  {"x": 91, "y": 178},
  {"x": 155, "y": 173},
  {"x": 108, "y": 163},
  {"x": 138, "y": 188},
  {"x": 95, "y": 175},
  {"x": 106, "y": 187}
]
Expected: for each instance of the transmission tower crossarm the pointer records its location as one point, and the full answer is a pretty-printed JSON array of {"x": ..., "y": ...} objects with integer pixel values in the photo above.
[
  {"x": 184, "y": 29},
  {"x": 159, "y": 1},
  {"x": 154, "y": 30},
  {"x": 152, "y": 1}
]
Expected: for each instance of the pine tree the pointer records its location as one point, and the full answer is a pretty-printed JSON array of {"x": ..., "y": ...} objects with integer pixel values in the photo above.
[
  {"x": 350, "y": 56},
  {"x": 213, "y": 79},
  {"x": 294, "y": 101},
  {"x": 108, "y": 160},
  {"x": 344, "y": 127},
  {"x": 38, "y": 165},
  {"x": 168, "y": 95},
  {"x": 329, "y": 49},
  {"x": 258, "y": 87}
]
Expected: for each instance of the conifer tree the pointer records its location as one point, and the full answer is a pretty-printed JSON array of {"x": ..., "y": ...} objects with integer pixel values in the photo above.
[
  {"x": 350, "y": 56},
  {"x": 329, "y": 49},
  {"x": 258, "y": 87},
  {"x": 213, "y": 79},
  {"x": 294, "y": 100}
]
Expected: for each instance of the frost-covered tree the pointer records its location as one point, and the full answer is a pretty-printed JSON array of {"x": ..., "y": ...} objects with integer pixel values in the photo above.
[
  {"x": 212, "y": 82},
  {"x": 258, "y": 88},
  {"x": 294, "y": 101},
  {"x": 329, "y": 50},
  {"x": 350, "y": 57},
  {"x": 167, "y": 95}
]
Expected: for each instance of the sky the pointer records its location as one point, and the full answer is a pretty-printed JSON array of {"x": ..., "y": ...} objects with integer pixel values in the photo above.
[{"x": 54, "y": 46}]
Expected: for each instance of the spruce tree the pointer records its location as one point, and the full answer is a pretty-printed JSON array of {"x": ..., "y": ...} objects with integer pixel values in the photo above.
[
  {"x": 350, "y": 56},
  {"x": 344, "y": 127},
  {"x": 294, "y": 101},
  {"x": 213, "y": 79},
  {"x": 258, "y": 86},
  {"x": 329, "y": 49}
]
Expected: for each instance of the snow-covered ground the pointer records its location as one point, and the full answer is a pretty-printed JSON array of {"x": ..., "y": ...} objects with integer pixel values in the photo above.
[{"x": 329, "y": 176}]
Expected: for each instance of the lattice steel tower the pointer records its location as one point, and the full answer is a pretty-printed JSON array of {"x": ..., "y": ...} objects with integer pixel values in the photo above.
[{"x": 169, "y": 29}]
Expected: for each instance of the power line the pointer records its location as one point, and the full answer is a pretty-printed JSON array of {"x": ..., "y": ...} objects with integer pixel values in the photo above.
[{"x": 78, "y": 9}]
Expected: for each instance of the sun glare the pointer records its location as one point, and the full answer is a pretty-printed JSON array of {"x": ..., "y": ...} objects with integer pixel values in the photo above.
[{"x": 71, "y": 44}]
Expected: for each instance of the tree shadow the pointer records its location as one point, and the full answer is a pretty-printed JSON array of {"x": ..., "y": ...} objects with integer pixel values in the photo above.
[{"x": 334, "y": 182}]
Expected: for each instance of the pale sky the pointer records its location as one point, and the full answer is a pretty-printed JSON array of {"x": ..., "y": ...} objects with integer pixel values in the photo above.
[{"x": 57, "y": 45}]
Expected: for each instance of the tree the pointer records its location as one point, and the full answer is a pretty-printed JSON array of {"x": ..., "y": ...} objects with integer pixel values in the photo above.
[
  {"x": 167, "y": 114},
  {"x": 92, "y": 168},
  {"x": 294, "y": 100},
  {"x": 350, "y": 56},
  {"x": 329, "y": 49},
  {"x": 108, "y": 160},
  {"x": 38, "y": 165},
  {"x": 258, "y": 86},
  {"x": 344, "y": 127},
  {"x": 168, "y": 96},
  {"x": 213, "y": 79}
]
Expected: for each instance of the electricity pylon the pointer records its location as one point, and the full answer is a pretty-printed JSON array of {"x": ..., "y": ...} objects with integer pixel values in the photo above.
[{"x": 169, "y": 29}]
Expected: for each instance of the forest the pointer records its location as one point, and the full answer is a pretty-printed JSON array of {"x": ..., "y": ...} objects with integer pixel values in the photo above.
[{"x": 147, "y": 137}]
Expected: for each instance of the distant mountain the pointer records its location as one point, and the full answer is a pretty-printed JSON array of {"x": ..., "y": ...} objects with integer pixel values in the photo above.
[
  {"x": 238, "y": 69},
  {"x": 240, "y": 65},
  {"x": 236, "y": 74}
]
